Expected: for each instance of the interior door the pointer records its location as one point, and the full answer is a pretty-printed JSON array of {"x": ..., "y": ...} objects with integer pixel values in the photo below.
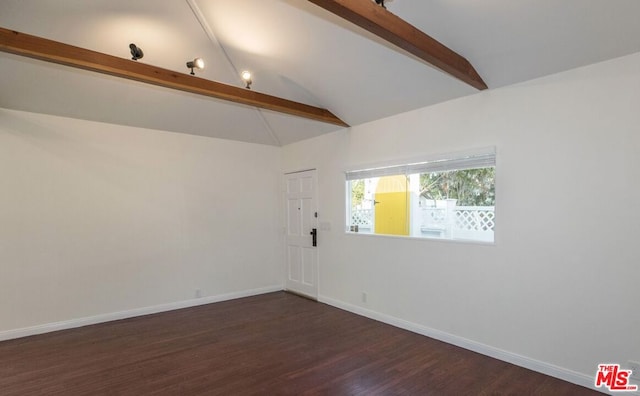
[{"x": 301, "y": 218}]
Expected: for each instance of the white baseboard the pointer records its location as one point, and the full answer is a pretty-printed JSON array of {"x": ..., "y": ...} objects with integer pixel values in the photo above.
[
  {"x": 509, "y": 357},
  {"x": 73, "y": 323}
]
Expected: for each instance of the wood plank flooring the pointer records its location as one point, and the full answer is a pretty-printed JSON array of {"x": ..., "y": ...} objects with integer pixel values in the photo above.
[{"x": 274, "y": 344}]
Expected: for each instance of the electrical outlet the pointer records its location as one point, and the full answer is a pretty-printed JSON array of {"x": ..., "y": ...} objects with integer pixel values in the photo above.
[
  {"x": 198, "y": 293},
  {"x": 635, "y": 369},
  {"x": 364, "y": 297}
]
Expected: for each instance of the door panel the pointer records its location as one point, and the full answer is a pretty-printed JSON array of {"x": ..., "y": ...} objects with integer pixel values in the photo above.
[
  {"x": 306, "y": 184},
  {"x": 302, "y": 256},
  {"x": 309, "y": 264},
  {"x": 293, "y": 217},
  {"x": 295, "y": 263}
]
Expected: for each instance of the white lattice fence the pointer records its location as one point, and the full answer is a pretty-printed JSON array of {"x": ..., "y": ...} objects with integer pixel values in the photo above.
[
  {"x": 460, "y": 222},
  {"x": 475, "y": 218},
  {"x": 362, "y": 217}
]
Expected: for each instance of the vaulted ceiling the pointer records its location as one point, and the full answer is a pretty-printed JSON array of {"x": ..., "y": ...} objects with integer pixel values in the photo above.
[{"x": 297, "y": 51}]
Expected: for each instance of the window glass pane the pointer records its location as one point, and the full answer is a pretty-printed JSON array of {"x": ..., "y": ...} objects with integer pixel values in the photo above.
[
  {"x": 391, "y": 206},
  {"x": 362, "y": 205},
  {"x": 457, "y": 204}
]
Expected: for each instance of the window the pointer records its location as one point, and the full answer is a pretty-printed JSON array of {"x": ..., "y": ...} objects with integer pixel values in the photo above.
[{"x": 450, "y": 197}]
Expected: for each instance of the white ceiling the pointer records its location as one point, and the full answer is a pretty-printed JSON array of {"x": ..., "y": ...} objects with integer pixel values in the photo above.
[{"x": 296, "y": 51}]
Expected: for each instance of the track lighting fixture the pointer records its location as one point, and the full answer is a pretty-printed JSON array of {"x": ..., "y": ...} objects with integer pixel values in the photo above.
[
  {"x": 136, "y": 52},
  {"x": 197, "y": 63},
  {"x": 246, "y": 77},
  {"x": 380, "y": 3}
]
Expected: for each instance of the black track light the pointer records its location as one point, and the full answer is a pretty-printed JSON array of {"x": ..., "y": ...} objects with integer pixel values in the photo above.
[
  {"x": 197, "y": 63},
  {"x": 246, "y": 77},
  {"x": 136, "y": 52},
  {"x": 381, "y": 3}
]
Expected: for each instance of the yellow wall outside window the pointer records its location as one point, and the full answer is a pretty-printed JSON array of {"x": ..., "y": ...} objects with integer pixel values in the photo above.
[{"x": 392, "y": 207}]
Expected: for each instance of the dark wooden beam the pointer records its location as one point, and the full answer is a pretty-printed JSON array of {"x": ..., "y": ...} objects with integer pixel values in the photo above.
[
  {"x": 56, "y": 52},
  {"x": 377, "y": 20}
]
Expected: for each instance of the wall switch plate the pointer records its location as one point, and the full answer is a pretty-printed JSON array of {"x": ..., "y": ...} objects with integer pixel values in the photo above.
[{"x": 635, "y": 369}]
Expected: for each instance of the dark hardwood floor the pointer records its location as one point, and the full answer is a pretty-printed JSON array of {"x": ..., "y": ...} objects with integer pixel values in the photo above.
[{"x": 274, "y": 344}]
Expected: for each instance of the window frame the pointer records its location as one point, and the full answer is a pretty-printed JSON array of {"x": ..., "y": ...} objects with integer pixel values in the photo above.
[{"x": 471, "y": 159}]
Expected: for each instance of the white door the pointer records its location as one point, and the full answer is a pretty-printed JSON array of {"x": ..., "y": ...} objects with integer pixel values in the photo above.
[{"x": 301, "y": 218}]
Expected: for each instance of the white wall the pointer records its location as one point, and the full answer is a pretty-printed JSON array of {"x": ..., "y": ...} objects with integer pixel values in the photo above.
[
  {"x": 561, "y": 285},
  {"x": 98, "y": 218}
]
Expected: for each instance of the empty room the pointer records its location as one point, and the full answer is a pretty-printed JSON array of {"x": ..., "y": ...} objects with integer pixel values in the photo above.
[{"x": 319, "y": 197}]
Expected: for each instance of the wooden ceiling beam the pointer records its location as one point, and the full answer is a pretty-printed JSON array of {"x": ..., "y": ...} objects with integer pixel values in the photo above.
[
  {"x": 384, "y": 24},
  {"x": 52, "y": 51}
]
